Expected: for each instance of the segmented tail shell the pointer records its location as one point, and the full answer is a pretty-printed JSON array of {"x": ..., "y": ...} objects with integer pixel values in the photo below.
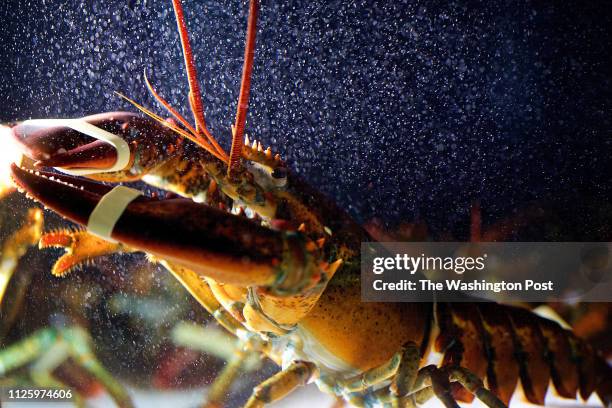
[{"x": 504, "y": 343}]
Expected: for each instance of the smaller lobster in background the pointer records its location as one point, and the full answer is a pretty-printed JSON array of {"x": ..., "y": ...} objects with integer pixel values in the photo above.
[
  {"x": 277, "y": 263},
  {"x": 53, "y": 357}
]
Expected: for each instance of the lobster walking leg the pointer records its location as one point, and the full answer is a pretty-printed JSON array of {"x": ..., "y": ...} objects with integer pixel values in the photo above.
[
  {"x": 80, "y": 349},
  {"x": 422, "y": 396},
  {"x": 26, "y": 350},
  {"x": 201, "y": 291},
  {"x": 440, "y": 385},
  {"x": 281, "y": 384},
  {"x": 41, "y": 372},
  {"x": 474, "y": 385},
  {"x": 440, "y": 380},
  {"x": 406, "y": 374},
  {"x": 74, "y": 342},
  {"x": 16, "y": 246},
  {"x": 407, "y": 380},
  {"x": 373, "y": 376},
  {"x": 222, "y": 384}
]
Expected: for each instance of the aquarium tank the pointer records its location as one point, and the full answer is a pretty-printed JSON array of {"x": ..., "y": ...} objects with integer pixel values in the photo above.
[{"x": 234, "y": 203}]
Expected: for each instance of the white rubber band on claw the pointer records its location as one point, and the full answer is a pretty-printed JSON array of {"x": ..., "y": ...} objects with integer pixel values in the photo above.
[
  {"x": 103, "y": 218},
  {"x": 80, "y": 125}
]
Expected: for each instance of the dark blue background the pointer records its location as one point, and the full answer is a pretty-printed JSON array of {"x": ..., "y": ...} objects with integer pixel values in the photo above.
[{"x": 400, "y": 110}]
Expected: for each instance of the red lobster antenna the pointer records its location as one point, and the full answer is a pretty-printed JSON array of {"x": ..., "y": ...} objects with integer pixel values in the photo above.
[
  {"x": 245, "y": 87},
  {"x": 196, "y": 134},
  {"x": 195, "y": 95}
]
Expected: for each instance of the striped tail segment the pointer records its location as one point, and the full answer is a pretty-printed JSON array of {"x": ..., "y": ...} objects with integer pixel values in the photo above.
[{"x": 504, "y": 344}]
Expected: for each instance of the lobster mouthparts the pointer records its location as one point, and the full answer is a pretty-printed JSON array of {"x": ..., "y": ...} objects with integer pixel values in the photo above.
[{"x": 212, "y": 242}]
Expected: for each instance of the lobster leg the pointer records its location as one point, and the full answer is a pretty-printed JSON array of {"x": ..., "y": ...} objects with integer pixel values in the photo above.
[
  {"x": 72, "y": 342},
  {"x": 44, "y": 378},
  {"x": 78, "y": 341},
  {"x": 440, "y": 380},
  {"x": 406, "y": 375},
  {"x": 281, "y": 384},
  {"x": 16, "y": 246},
  {"x": 403, "y": 367},
  {"x": 201, "y": 291},
  {"x": 474, "y": 385},
  {"x": 241, "y": 356},
  {"x": 439, "y": 383},
  {"x": 26, "y": 350},
  {"x": 422, "y": 396},
  {"x": 223, "y": 383},
  {"x": 373, "y": 376}
]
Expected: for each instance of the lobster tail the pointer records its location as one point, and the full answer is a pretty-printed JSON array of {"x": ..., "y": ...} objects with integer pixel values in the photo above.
[
  {"x": 604, "y": 389},
  {"x": 504, "y": 344}
]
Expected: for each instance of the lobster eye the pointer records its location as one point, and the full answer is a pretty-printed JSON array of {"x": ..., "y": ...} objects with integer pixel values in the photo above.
[{"x": 279, "y": 173}]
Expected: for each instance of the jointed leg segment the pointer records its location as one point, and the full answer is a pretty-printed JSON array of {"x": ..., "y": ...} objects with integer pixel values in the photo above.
[
  {"x": 407, "y": 372},
  {"x": 474, "y": 385},
  {"x": 281, "y": 384},
  {"x": 432, "y": 381},
  {"x": 223, "y": 383},
  {"x": 51, "y": 347}
]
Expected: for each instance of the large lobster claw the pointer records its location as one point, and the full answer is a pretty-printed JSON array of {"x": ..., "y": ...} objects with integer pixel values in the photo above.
[
  {"x": 214, "y": 243},
  {"x": 58, "y": 143}
]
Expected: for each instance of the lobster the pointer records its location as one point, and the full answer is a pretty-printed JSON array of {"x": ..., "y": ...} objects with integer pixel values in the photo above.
[
  {"x": 278, "y": 264},
  {"x": 55, "y": 357}
]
